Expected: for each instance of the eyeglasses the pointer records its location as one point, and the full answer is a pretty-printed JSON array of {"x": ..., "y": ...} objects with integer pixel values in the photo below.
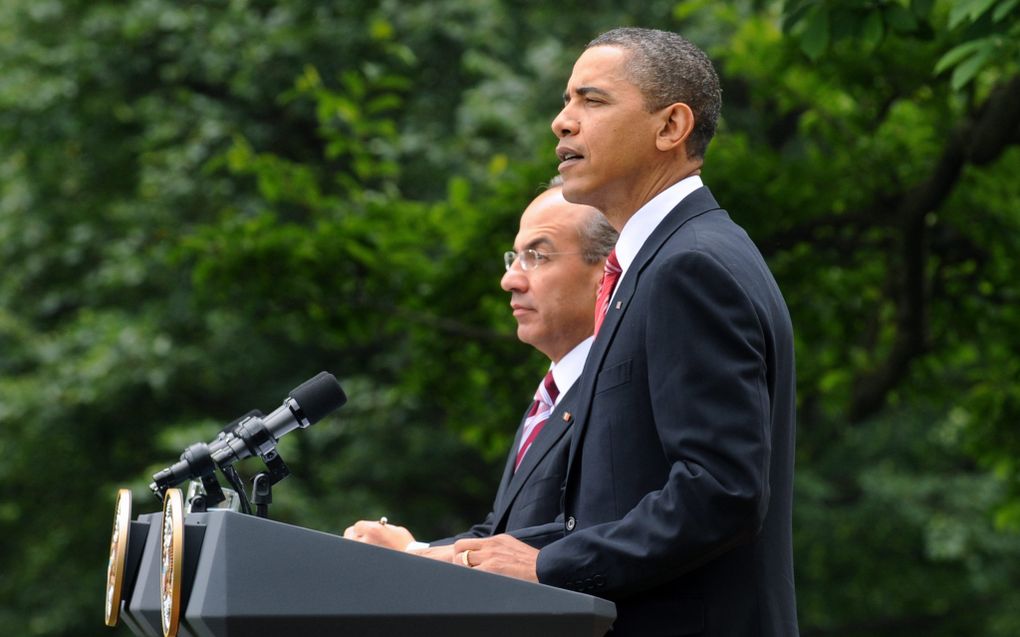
[{"x": 529, "y": 259}]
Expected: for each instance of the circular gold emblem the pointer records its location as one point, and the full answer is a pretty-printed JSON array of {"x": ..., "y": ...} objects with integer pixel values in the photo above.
[
  {"x": 118, "y": 553},
  {"x": 170, "y": 554}
]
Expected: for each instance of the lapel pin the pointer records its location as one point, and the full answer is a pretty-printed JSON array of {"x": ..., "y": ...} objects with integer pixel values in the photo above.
[
  {"x": 618, "y": 304},
  {"x": 566, "y": 416}
]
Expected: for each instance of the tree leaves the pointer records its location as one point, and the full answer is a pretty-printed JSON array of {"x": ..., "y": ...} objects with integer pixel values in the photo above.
[
  {"x": 990, "y": 31},
  {"x": 815, "y": 38},
  {"x": 202, "y": 205}
]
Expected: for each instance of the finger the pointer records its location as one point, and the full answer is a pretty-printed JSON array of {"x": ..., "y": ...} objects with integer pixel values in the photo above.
[
  {"x": 469, "y": 544},
  {"x": 468, "y": 557}
]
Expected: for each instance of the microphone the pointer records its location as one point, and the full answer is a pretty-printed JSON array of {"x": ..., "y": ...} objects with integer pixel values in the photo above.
[
  {"x": 196, "y": 461},
  {"x": 307, "y": 404},
  {"x": 253, "y": 433}
]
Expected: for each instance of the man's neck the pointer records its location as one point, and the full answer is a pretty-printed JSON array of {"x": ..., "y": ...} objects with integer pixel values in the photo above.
[
  {"x": 618, "y": 213},
  {"x": 643, "y": 222},
  {"x": 567, "y": 369}
]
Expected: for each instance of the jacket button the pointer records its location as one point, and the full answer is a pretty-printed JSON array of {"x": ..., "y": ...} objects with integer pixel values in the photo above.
[{"x": 571, "y": 523}]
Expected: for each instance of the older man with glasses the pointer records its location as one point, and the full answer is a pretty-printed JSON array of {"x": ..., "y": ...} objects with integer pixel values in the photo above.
[{"x": 552, "y": 275}]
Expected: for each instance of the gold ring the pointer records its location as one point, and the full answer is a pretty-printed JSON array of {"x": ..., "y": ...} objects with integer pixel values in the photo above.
[
  {"x": 383, "y": 521},
  {"x": 464, "y": 558}
]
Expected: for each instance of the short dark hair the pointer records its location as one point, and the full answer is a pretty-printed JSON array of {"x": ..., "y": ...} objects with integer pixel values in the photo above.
[{"x": 668, "y": 69}]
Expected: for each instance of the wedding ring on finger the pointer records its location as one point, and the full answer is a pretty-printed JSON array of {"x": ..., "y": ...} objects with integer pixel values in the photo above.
[
  {"x": 383, "y": 521},
  {"x": 464, "y": 558}
]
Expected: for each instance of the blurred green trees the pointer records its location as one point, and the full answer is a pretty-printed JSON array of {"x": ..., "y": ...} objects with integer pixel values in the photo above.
[{"x": 204, "y": 204}]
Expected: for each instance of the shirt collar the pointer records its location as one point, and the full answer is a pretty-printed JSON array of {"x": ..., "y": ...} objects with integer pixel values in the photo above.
[
  {"x": 568, "y": 370},
  {"x": 640, "y": 226}
]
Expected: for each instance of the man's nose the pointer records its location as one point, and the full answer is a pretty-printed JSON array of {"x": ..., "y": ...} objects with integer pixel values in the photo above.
[
  {"x": 514, "y": 280},
  {"x": 563, "y": 125}
]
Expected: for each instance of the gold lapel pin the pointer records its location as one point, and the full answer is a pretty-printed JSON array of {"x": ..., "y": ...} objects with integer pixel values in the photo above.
[{"x": 566, "y": 416}]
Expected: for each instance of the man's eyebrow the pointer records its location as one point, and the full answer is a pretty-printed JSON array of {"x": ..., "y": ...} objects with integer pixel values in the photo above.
[
  {"x": 537, "y": 242},
  {"x": 585, "y": 91}
]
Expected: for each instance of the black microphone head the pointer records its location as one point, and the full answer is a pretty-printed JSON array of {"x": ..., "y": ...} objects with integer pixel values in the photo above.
[{"x": 319, "y": 396}]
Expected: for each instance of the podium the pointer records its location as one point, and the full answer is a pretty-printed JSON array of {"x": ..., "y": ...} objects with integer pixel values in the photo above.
[{"x": 252, "y": 577}]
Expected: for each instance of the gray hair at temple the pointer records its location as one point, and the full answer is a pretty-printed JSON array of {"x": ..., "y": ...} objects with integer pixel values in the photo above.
[
  {"x": 597, "y": 236},
  {"x": 668, "y": 69}
]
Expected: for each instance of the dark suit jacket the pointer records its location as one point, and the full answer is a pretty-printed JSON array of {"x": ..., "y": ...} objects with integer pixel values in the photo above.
[
  {"x": 527, "y": 503},
  {"x": 678, "y": 496}
]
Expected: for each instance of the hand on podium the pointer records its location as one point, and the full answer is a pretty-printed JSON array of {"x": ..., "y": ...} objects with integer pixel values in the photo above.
[
  {"x": 503, "y": 554},
  {"x": 380, "y": 533},
  {"x": 392, "y": 536}
]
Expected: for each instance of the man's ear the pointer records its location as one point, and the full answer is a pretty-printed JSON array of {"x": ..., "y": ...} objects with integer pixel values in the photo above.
[{"x": 677, "y": 125}]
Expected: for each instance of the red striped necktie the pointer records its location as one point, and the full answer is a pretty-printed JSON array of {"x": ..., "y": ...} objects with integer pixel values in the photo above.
[
  {"x": 606, "y": 287},
  {"x": 545, "y": 398}
]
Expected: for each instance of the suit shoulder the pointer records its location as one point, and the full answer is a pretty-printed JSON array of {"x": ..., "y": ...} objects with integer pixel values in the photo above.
[{"x": 716, "y": 236}]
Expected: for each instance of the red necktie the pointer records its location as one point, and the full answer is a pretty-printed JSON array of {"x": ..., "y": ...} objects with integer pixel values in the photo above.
[
  {"x": 545, "y": 397},
  {"x": 609, "y": 279}
]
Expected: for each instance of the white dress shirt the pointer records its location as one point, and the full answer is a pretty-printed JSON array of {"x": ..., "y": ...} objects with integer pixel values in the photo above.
[
  {"x": 640, "y": 226},
  {"x": 569, "y": 368}
]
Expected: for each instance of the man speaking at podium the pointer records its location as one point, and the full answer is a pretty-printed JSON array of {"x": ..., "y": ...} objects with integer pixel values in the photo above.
[
  {"x": 679, "y": 489},
  {"x": 552, "y": 275}
]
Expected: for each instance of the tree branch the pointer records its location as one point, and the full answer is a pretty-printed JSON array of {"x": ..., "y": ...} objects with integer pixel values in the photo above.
[
  {"x": 808, "y": 231},
  {"x": 979, "y": 140}
]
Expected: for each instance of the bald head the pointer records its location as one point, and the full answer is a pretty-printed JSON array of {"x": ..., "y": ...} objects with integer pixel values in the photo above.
[{"x": 594, "y": 233}]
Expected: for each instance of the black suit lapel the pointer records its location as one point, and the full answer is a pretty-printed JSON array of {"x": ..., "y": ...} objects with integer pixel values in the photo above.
[
  {"x": 500, "y": 502},
  {"x": 697, "y": 203},
  {"x": 554, "y": 429}
]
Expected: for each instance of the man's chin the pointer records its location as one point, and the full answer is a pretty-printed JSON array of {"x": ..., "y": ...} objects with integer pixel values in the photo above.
[
  {"x": 575, "y": 191},
  {"x": 526, "y": 334}
]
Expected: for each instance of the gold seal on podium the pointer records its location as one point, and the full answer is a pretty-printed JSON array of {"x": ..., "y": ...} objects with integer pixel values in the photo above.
[
  {"x": 170, "y": 560},
  {"x": 118, "y": 555}
]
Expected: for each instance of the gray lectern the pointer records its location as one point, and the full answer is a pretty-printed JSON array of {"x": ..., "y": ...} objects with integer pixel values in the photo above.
[{"x": 248, "y": 576}]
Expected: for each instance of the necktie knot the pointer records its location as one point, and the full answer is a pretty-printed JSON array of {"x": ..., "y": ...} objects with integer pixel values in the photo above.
[
  {"x": 541, "y": 407},
  {"x": 550, "y": 393},
  {"x": 612, "y": 263},
  {"x": 610, "y": 275}
]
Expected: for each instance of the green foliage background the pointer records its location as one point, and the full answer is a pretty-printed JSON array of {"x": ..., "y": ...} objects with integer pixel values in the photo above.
[{"x": 204, "y": 204}]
